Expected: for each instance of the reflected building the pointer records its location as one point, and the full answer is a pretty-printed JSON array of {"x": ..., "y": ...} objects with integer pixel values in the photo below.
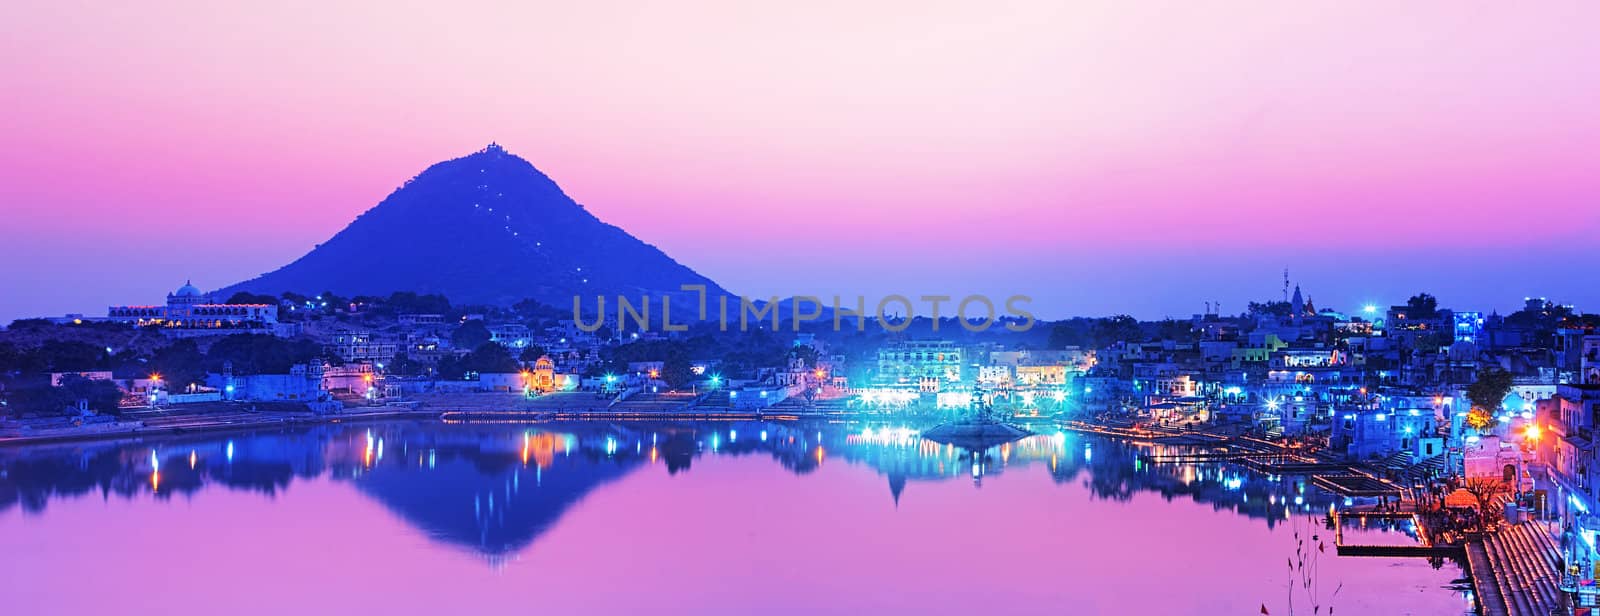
[{"x": 494, "y": 489}]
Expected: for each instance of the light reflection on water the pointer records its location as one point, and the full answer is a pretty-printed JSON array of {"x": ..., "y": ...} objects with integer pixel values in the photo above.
[{"x": 871, "y": 517}]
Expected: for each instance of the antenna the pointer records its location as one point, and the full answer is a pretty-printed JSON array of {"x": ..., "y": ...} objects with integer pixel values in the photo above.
[{"x": 1286, "y": 284}]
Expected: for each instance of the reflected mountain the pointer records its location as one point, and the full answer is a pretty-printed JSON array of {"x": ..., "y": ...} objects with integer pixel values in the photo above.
[
  {"x": 493, "y": 489},
  {"x": 490, "y": 491}
]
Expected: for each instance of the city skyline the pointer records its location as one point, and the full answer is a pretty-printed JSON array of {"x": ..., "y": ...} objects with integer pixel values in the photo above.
[{"x": 1101, "y": 161}]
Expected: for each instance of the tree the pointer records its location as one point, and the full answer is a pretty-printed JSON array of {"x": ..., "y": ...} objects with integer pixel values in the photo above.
[
  {"x": 1171, "y": 329},
  {"x": 1484, "y": 488},
  {"x": 1490, "y": 389},
  {"x": 1480, "y": 419},
  {"x": 10, "y": 358},
  {"x": 1071, "y": 333},
  {"x": 492, "y": 358},
  {"x": 402, "y": 364},
  {"x": 67, "y": 356},
  {"x": 1274, "y": 308},
  {"x": 1116, "y": 329},
  {"x": 179, "y": 364},
  {"x": 260, "y": 354},
  {"x": 470, "y": 335},
  {"x": 103, "y": 396},
  {"x": 806, "y": 353},
  {"x": 407, "y": 302},
  {"x": 532, "y": 353},
  {"x": 676, "y": 371},
  {"x": 244, "y": 297},
  {"x": 1422, "y": 306}
]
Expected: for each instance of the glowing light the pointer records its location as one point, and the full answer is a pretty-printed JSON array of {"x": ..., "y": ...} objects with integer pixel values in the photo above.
[
  {"x": 193, "y": 458},
  {"x": 230, "y": 451},
  {"x": 1531, "y": 432},
  {"x": 763, "y": 436},
  {"x": 1369, "y": 309}
]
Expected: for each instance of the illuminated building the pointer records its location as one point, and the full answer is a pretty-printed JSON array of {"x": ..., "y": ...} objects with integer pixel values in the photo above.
[
  {"x": 928, "y": 365},
  {"x": 1468, "y": 326},
  {"x": 511, "y": 336},
  {"x": 190, "y": 309},
  {"x": 360, "y": 346}
]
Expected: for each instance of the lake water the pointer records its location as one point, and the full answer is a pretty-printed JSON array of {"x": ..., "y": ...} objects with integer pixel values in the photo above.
[{"x": 736, "y": 518}]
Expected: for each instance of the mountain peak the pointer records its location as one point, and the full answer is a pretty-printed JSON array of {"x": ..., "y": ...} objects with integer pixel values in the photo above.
[{"x": 487, "y": 227}]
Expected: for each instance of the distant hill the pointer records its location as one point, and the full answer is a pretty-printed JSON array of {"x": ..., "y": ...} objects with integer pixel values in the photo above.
[{"x": 487, "y": 228}]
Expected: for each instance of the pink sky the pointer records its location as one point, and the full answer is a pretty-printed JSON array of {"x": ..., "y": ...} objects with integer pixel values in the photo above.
[{"x": 1098, "y": 157}]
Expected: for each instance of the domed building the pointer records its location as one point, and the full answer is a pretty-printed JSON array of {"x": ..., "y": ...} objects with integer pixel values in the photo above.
[{"x": 190, "y": 312}]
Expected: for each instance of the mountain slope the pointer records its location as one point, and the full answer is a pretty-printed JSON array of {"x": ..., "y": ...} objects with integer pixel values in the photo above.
[{"x": 484, "y": 228}]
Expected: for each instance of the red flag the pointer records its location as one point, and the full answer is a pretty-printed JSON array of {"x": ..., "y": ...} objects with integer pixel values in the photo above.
[{"x": 1264, "y": 609}]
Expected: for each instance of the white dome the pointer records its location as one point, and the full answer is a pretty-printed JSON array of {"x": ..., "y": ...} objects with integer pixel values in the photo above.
[{"x": 187, "y": 290}]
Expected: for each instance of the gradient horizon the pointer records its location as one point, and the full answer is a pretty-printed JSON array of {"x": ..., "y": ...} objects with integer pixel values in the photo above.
[{"x": 1101, "y": 159}]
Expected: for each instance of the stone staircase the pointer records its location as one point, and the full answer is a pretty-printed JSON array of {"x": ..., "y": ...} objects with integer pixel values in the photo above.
[{"x": 1525, "y": 569}]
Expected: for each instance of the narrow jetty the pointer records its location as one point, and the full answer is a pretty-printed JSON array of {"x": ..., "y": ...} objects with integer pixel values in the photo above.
[
  {"x": 1423, "y": 547},
  {"x": 1517, "y": 572}
]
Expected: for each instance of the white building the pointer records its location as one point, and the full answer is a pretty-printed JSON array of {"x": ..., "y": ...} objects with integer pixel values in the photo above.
[{"x": 190, "y": 309}]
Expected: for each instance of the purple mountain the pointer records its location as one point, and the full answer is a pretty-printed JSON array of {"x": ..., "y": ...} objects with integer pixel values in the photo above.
[{"x": 484, "y": 228}]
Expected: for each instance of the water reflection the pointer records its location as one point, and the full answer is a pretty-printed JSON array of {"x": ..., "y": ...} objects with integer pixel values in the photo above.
[{"x": 495, "y": 488}]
